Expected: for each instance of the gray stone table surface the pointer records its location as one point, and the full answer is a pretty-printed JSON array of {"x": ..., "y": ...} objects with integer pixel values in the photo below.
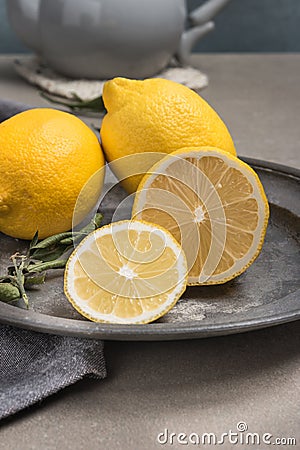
[{"x": 196, "y": 386}]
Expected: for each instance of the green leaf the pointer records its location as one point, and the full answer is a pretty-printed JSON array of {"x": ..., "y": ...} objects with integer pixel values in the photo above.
[
  {"x": 41, "y": 267},
  {"x": 79, "y": 235},
  {"x": 51, "y": 241},
  {"x": 45, "y": 254},
  {"x": 8, "y": 292},
  {"x": 34, "y": 279},
  {"x": 34, "y": 240},
  {"x": 94, "y": 105},
  {"x": 93, "y": 225}
]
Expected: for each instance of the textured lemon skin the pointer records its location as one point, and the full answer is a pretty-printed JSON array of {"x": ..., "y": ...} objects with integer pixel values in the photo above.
[
  {"x": 157, "y": 115},
  {"x": 207, "y": 150},
  {"x": 46, "y": 158}
]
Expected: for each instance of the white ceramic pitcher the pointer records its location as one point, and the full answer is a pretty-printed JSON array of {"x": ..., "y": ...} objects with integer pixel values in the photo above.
[{"x": 107, "y": 38}]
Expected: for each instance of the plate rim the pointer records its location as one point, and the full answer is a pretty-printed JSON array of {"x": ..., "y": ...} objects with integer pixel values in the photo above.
[
  {"x": 144, "y": 332},
  {"x": 44, "y": 323}
]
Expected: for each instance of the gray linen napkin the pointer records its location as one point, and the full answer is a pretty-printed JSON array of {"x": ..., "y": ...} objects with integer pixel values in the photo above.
[{"x": 35, "y": 365}]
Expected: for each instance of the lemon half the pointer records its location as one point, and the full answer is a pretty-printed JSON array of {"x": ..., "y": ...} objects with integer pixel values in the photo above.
[
  {"x": 127, "y": 272},
  {"x": 213, "y": 204}
]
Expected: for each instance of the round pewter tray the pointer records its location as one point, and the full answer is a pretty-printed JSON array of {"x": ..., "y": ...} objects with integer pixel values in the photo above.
[{"x": 268, "y": 293}]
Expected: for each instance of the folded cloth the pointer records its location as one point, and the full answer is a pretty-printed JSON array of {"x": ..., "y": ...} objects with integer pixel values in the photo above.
[{"x": 35, "y": 365}]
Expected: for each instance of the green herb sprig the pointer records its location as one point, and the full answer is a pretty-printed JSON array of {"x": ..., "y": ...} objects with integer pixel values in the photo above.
[
  {"x": 76, "y": 104},
  {"x": 30, "y": 269}
]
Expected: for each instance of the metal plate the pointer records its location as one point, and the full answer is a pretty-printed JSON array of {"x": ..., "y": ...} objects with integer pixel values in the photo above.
[{"x": 268, "y": 293}]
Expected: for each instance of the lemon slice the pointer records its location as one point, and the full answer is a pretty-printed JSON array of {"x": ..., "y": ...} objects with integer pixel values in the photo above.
[
  {"x": 126, "y": 272},
  {"x": 213, "y": 204}
]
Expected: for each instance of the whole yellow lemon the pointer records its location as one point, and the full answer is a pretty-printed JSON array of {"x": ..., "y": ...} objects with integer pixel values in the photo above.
[
  {"x": 155, "y": 115},
  {"x": 47, "y": 156}
]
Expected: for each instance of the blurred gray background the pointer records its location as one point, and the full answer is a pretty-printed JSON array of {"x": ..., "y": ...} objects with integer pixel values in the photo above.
[{"x": 244, "y": 26}]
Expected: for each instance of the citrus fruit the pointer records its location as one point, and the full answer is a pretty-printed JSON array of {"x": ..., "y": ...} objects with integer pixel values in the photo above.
[
  {"x": 126, "y": 272},
  {"x": 46, "y": 158},
  {"x": 155, "y": 115},
  {"x": 213, "y": 204}
]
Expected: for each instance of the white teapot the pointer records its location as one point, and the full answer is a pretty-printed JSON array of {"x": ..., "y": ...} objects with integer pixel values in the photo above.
[{"x": 107, "y": 38}]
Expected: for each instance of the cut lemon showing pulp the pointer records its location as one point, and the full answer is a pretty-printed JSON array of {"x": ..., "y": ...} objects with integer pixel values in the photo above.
[
  {"x": 213, "y": 204},
  {"x": 126, "y": 272}
]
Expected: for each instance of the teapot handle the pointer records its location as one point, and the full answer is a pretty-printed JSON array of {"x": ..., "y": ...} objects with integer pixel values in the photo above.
[{"x": 201, "y": 23}]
